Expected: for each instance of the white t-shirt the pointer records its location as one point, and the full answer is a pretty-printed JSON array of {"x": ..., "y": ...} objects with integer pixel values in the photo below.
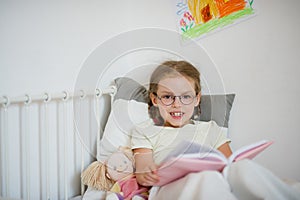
[{"x": 163, "y": 140}]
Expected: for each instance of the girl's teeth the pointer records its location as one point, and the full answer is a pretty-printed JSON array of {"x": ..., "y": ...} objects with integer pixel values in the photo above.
[{"x": 177, "y": 114}]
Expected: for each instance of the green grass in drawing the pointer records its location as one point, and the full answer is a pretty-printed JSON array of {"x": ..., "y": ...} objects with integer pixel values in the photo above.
[{"x": 213, "y": 24}]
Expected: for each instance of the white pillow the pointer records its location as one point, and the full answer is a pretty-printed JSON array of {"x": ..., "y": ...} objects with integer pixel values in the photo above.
[{"x": 124, "y": 115}]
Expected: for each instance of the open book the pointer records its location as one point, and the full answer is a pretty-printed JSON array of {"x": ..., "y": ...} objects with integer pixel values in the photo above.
[{"x": 190, "y": 157}]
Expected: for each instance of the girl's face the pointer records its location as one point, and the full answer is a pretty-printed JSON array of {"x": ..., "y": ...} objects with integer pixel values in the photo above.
[{"x": 177, "y": 114}]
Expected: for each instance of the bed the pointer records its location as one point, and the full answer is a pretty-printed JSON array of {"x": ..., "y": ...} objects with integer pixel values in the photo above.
[{"x": 57, "y": 160}]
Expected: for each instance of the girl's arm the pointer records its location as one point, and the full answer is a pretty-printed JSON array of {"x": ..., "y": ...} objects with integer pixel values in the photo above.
[
  {"x": 146, "y": 174},
  {"x": 225, "y": 149}
]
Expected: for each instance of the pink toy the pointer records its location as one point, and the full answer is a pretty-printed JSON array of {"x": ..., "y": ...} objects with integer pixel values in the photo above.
[{"x": 116, "y": 176}]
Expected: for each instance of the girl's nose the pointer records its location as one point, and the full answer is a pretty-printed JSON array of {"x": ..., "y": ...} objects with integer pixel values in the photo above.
[{"x": 177, "y": 102}]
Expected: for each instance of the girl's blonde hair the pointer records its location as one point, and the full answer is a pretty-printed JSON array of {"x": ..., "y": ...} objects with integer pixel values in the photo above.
[{"x": 171, "y": 69}]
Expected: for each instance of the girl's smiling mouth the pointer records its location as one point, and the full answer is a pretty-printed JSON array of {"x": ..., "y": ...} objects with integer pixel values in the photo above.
[{"x": 176, "y": 114}]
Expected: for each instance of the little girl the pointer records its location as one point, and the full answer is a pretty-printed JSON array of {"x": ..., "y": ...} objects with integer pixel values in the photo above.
[{"x": 175, "y": 92}]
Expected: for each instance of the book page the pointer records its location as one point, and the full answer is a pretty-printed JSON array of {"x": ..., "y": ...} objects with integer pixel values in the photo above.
[
  {"x": 176, "y": 168},
  {"x": 249, "y": 151},
  {"x": 191, "y": 149},
  {"x": 212, "y": 155}
]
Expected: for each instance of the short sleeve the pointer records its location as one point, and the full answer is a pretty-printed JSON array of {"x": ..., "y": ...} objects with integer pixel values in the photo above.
[
  {"x": 139, "y": 137},
  {"x": 217, "y": 135}
]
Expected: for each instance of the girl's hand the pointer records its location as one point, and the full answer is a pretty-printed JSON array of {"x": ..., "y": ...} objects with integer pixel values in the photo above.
[
  {"x": 147, "y": 178},
  {"x": 146, "y": 170}
]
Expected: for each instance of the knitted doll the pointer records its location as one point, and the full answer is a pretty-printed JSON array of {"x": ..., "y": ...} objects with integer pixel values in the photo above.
[{"x": 116, "y": 176}]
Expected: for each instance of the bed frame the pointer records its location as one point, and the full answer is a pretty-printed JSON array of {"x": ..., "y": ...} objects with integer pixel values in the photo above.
[{"x": 47, "y": 140}]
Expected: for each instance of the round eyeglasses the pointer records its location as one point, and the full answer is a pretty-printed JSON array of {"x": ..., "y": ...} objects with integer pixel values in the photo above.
[{"x": 185, "y": 99}]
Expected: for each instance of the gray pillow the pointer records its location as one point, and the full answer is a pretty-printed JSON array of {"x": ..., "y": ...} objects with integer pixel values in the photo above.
[
  {"x": 129, "y": 89},
  {"x": 214, "y": 107}
]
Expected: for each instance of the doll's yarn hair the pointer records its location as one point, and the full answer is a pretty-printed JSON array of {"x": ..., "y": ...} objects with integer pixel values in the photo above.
[{"x": 95, "y": 176}]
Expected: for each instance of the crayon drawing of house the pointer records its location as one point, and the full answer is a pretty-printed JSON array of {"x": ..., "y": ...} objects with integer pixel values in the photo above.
[{"x": 199, "y": 17}]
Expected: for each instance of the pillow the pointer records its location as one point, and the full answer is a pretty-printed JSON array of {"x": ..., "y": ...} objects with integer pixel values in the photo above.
[
  {"x": 216, "y": 107},
  {"x": 129, "y": 89},
  {"x": 124, "y": 114},
  {"x": 130, "y": 107}
]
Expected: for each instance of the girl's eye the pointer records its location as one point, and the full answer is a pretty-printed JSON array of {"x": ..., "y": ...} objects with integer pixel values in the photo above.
[
  {"x": 125, "y": 162},
  {"x": 186, "y": 96},
  {"x": 167, "y": 97}
]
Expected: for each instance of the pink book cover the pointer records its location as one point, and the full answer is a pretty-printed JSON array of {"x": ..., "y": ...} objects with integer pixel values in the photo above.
[{"x": 178, "y": 166}]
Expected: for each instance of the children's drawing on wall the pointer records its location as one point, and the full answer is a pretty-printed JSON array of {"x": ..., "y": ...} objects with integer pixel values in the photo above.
[{"x": 197, "y": 18}]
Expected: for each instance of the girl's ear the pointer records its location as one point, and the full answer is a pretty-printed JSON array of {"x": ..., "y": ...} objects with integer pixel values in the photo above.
[
  {"x": 198, "y": 97},
  {"x": 153, "y": 99}
]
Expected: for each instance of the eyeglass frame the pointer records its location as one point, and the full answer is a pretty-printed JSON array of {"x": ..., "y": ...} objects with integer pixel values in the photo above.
[{"x": 174, "y": 97}]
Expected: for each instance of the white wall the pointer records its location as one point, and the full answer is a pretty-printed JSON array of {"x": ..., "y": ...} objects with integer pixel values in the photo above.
[{"x": 45, "y": 43}]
